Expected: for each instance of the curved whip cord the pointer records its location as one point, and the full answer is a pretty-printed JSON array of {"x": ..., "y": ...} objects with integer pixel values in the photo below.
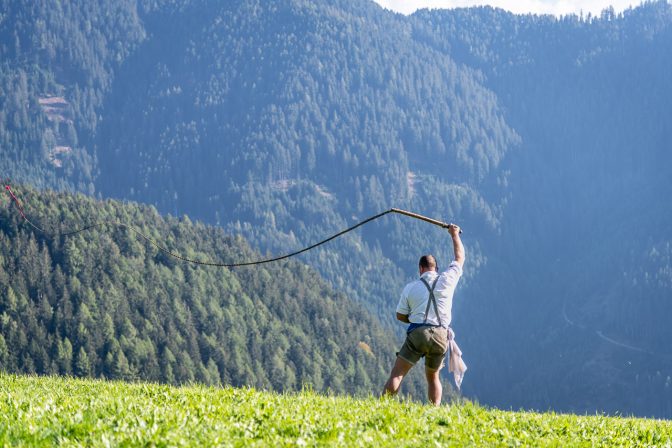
[{"x": 223, "y": 265}]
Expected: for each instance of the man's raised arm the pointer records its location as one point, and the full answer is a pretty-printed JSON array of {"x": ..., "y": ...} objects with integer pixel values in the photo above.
[{"x": 458, "y": 247}]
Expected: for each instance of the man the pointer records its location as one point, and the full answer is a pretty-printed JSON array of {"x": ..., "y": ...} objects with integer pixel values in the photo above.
[{"x": 426, "y": 305}]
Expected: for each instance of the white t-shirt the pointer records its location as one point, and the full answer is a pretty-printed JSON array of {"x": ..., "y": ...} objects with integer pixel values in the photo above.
[{"x": 414, "y": 297}]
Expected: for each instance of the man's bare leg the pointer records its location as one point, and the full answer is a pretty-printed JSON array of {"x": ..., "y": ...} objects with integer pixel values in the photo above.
[
  {"x": 434, "y": 388},
  {"x": 399, "y": 370}
]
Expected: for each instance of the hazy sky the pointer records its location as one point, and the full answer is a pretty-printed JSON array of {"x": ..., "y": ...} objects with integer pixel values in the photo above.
[{"x": 556, "y": 7}]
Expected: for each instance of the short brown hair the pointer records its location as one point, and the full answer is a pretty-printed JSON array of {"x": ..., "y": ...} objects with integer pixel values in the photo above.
[{"x": 428, "y": 262}]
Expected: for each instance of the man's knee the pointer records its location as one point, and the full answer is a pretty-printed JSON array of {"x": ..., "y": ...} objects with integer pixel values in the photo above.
[
  {"x": 433, "y": 375},
  {"x": 399, "y": 371},
  {"x": 401, "y": 367}
]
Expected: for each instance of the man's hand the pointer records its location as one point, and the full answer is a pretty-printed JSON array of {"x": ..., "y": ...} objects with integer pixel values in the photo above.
[
  {"x": 454, "y": 230},
  {"x": 403, "y": 318}
]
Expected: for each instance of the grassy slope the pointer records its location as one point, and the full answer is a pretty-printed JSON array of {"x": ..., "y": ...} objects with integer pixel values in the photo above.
[{"x": 45, "y": 411}]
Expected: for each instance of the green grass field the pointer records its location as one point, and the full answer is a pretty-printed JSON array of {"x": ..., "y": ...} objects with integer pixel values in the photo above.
[{"x": 47, "y": 411}]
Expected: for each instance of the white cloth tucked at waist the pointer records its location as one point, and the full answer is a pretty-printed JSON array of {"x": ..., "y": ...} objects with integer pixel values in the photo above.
[{"x": 455, "y": 363}]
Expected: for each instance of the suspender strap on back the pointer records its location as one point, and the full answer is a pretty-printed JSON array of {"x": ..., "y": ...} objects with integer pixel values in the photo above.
[{"x": 431, "y": 300}]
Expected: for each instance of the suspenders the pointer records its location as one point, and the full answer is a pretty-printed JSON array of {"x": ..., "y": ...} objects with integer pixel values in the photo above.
[{"x": 431, "y": 300}]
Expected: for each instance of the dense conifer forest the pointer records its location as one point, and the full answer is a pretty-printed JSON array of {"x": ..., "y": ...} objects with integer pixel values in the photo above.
[{"x": 105, "y": 303}]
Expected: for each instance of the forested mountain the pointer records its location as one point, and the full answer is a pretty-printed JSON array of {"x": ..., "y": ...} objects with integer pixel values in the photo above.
[
  {"x": 105, "y": 303},
  {"x": 297, "y": 120},
  {"x": 57, "y": 61},
  {"x": 287, "y": 120}
]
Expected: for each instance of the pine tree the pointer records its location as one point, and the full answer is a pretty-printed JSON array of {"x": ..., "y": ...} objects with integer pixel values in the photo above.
[{"x": 82, "y": 364}]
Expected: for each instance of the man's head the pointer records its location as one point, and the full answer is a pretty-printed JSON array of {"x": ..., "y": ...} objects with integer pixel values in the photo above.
[{"x": 427, "y": 263}]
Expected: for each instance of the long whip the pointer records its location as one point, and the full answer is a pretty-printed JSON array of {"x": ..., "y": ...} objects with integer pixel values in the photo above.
[{"x": 210, "y": 263}]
